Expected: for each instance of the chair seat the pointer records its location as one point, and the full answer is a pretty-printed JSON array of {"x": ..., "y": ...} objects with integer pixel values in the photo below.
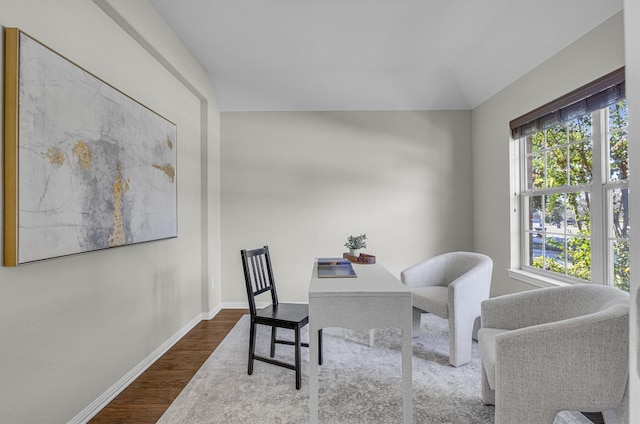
[
  {"x": 434, "y": 299},
  {"x": 487, "y": 345},
  {"x": 287, "y": 315}
]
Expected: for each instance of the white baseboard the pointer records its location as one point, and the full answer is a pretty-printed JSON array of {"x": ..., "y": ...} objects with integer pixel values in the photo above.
[
  {"x": 242, "y": 305},
  {"x": 212, "y": 313},
  {"x": 113, "y": 391},
  {"x": 234, "y": 305}
]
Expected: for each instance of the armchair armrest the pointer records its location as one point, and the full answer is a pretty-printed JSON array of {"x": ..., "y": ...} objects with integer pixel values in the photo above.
[
  {"x": 427, "y": 273},
  {"x": 575, "y": 355},
  {"x": 468, "y": 290}
]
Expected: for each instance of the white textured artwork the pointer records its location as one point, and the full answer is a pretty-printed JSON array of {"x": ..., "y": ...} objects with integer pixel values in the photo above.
[{"x": 96, "y": 168}]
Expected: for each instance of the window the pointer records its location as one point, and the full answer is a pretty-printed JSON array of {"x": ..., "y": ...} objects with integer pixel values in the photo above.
[{"x": 574, "y": 193}]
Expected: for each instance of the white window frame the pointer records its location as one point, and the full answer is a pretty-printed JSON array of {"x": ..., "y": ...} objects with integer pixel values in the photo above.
[{"x": 601, "y": 218}]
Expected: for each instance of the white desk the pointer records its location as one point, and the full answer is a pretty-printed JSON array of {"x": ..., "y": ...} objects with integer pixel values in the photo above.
[{"x": 375, "y": 299}]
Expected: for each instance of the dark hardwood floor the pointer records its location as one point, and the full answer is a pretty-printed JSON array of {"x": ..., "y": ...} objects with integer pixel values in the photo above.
[{"x": 149, "y": 396}]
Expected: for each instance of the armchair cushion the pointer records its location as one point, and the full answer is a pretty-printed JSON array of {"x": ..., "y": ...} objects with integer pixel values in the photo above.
[{"x": 433, "y": 299}]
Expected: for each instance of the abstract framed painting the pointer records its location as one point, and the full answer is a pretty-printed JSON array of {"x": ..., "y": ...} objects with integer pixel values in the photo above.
[{"x": 86, "y": 167}]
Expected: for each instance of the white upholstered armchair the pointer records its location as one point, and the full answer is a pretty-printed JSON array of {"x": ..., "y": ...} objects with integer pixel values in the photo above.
[
  {"x": 451, "y": 286},
  {"x": 554, "y": 349}
]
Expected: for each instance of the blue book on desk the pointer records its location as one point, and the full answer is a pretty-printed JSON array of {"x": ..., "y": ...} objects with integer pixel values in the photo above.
[{"x": 335, "y": 268}]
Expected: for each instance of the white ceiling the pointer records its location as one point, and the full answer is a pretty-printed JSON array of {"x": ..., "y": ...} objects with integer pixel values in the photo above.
[{"x": 274, "y": 55}]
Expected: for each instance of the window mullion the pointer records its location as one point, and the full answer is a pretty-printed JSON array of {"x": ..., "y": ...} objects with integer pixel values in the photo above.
[{"x": 599, "y": 256}]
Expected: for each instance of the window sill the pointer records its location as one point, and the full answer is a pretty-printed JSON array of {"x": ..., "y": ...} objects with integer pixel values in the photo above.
[{"x": 535, "y": 279}]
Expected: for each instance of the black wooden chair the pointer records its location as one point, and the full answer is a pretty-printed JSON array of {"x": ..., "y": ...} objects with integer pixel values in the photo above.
[{"x": 258, "y": 276}]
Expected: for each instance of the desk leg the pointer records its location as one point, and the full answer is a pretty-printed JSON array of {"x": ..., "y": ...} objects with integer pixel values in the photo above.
[
  {"x": 313, "y": 373},
  {"x": 407, "y": 379}
]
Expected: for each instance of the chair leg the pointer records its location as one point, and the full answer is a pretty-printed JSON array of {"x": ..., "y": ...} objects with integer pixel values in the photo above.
[
  {"x": 252, "y": 347},
  {"x": 510, "y": 410},
  {"x": 477, "y": 324},
  {"x": 274, "y": 331},
  {"x": 460, "y": 340},
  {"x": 416, "y": 318},
  {"x": 297, "y": 361},
  {"x": 487, "y": 393},
  {"x": 320, "y": 347}
]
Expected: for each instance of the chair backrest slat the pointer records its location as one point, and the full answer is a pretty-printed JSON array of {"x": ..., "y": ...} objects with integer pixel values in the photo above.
[
  {"x": 258, "y": 275},
  {"x": 261, "y": 279}
]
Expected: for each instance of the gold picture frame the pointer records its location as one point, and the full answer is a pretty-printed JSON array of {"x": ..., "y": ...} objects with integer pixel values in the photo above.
[{"x": 11, "y": 59}]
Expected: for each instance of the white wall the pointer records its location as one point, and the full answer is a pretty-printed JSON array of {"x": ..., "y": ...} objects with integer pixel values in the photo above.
[
  {"x": 632, "y": 75},
  {"x": 592, "y": 56},
  {"x": 301, "y": 182},
  {"x": 143, "y": 23},
  {"x": 70, "y": 328}
]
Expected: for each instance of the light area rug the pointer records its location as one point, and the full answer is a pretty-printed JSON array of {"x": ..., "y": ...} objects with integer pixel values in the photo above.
[{"x": 358, "y": 383}]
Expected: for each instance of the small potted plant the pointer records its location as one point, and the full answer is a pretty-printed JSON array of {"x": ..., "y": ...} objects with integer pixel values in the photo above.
[{"x": 355, "y": 243}]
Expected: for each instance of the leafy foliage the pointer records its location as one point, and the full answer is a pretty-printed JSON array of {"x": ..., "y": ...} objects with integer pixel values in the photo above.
[{"x": 356, "y": 242}]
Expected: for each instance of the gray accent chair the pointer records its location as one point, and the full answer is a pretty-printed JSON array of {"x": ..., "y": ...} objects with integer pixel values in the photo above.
[
  {"x": 452, "y": 286},
  {"x": 554, "y": 349}
]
